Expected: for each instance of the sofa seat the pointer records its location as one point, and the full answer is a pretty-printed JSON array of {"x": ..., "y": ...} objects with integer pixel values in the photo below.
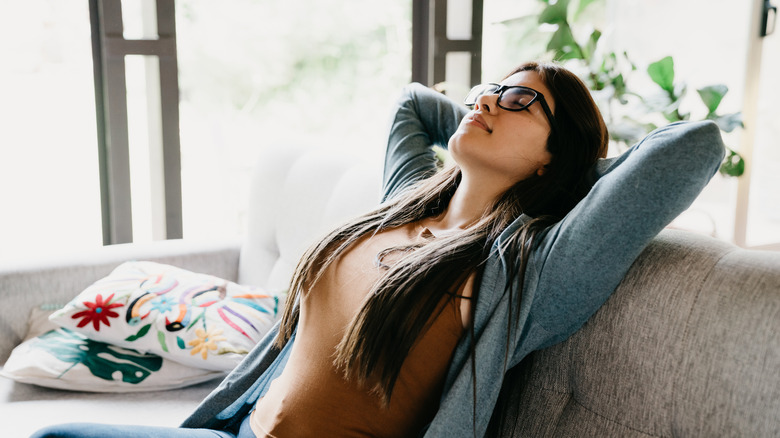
[{"x": 26, "y": 408}]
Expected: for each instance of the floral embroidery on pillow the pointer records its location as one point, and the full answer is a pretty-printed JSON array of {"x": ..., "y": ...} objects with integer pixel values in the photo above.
[
  {"x": 207, "y": 340},
  {"x": 97, "y": 312},
  {"x": 196, "y": 319}
]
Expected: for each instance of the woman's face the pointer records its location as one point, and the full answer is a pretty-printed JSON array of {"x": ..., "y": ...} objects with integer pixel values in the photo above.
[{"x": 504, "y": 146}]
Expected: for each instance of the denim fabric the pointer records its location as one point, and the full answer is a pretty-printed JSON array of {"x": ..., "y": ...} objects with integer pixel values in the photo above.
[
  {"x": 95, "y": 430},
  {"x": 577, "y": 265}
]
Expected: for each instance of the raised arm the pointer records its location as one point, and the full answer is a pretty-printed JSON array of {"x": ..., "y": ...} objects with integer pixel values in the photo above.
[
  {"x": 423, "y": 118},
  {"x": 583, "y": 258}
]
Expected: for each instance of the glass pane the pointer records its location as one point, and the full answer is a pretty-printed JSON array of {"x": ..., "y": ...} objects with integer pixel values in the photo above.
[
  {"x": 321, "y": 74},
  {"x": 709, "y": 56},
  {"x": 510, "y": 36},
  {"x": 459, "y": 19},
  {"x": 764, "y": 204},
  {"x": 145, "y": 147},
  {"x": 49, "y": 182},
  {"x": 458, "y": 77},
  {"x": 139, "y": 19}
]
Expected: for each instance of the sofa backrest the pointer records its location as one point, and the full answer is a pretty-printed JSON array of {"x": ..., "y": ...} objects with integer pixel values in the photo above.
[
  {"x": 687, "y": 346},
  {"x": 297, "y": 195}
]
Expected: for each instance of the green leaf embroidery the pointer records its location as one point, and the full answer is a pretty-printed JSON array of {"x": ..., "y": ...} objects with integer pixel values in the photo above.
[
  {"x": 161, "y": 340},
  {"x": 180, "y": 343},
  {"x": 103, "y": 360},
  {"x": 141, "y": 333},
  {"x": 232, "y": 350},
  {"x": 197, "y": 318}
]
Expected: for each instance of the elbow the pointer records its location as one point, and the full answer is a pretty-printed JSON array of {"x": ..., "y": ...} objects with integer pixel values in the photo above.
[
  {"x": 413, "y": 90},
  {"x": 691, "y": 142},
  {"x": 709, "y": 140}
]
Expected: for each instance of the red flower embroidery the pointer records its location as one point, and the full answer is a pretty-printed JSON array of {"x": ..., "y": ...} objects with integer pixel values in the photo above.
[{"x": 97, "y": 312}]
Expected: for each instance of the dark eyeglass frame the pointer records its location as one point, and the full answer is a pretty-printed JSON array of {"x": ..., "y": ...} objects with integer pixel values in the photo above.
[{"x": 501, "y": 89}]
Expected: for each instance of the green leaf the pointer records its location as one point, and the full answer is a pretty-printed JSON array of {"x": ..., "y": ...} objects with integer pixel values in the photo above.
[
  {"x": 141, "y": 333},
  {"x": 673, "y": 116},
  {"x": 620, "y": 84},
  {"x": 680, "y": 90},
  {"x": 628, "y": 131},
  {"x": 733, "y": 165},
  {"x": 582, "y": 6},
  {"x": 555, "y": 14},
  {"x": 103, "y": 360},
  {"x": 180, "y": 343},
  {"x": 563, "y": 44},
  {"x": 593, "y": 41},
  {"x": 712, "y": 95},
  {"x": 662, "y": 73},
  {"x": 727, "y": 122},
  {"x": 672, "y": 112}
]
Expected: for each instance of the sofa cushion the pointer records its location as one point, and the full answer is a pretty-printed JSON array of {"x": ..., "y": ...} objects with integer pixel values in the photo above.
[
  {"x": 59, "y": 358},
  {"x": 196, "y": 319}
]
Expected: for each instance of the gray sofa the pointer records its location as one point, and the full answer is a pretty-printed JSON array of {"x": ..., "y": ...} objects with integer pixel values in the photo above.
[{"x": 689, "y": 344}]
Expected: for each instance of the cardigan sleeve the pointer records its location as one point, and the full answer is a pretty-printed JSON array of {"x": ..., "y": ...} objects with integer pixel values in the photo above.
[
  {"x": 423, "y": 118},
  {"x": 236, "y": 395},
  {"x": 582, "y": 259}
]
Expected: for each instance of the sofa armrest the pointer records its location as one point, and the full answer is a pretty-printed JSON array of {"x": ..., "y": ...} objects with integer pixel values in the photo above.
[{"x": 30, "y": 283}]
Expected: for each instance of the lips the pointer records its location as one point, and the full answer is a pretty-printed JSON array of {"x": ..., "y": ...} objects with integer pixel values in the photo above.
[{"x": 477, "y": 120}]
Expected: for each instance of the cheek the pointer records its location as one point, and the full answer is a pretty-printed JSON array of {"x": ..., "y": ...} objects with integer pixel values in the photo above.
[{"x": 529, "y": 144}]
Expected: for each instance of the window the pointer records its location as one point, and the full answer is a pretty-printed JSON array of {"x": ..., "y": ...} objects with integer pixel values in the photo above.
[
  {"x": 49, "y": 183},
  {"x": 710, "y": 42},
  {"x": 262, "y": 72},
  {"x": 278, "y": 73},
  {"x": 253, "y": 74}
]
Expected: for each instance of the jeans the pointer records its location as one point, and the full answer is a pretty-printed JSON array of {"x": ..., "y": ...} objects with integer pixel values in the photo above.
[{"x": 94, "y": 430}]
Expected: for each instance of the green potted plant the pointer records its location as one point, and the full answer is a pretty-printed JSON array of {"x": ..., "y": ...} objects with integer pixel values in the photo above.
[{"x": 629, "y": 114}]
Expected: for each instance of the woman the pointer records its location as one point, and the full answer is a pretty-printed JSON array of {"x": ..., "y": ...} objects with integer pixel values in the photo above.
[{"x": 404, "y": 321}]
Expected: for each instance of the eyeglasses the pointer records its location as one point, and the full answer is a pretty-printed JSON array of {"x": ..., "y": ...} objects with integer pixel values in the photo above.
[{"x": 511, "y": 98}]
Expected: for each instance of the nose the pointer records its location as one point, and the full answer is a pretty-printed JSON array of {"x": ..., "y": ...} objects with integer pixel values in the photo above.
[{"x": 487, "y": 103}]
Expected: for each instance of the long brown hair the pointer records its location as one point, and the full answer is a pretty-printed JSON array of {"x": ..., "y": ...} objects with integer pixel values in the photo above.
[{"x": 403, "y": 301}]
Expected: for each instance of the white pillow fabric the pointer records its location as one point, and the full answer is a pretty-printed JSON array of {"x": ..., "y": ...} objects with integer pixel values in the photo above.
[
  {"x": 59, "y": 358},
  {"x": 195, "y": 319}
]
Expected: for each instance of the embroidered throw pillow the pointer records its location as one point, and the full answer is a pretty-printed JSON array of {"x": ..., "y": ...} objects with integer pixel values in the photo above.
[
  {"x": 62, "y": 359},
  {"x": 195, "y": 319}
]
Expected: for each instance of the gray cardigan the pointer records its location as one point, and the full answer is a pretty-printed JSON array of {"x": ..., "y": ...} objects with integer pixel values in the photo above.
[{"x": 570, "y": 274}]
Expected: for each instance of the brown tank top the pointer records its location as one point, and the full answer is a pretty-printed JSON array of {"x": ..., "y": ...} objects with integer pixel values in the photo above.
[{"x": 313, "y": 399}]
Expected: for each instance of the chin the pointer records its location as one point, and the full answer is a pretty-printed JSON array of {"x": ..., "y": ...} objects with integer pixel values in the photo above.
[{"x": 460, "y": 144}]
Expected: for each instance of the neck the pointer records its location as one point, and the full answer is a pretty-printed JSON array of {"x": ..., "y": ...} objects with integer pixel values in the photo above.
[{"x": 468, "y": 204}]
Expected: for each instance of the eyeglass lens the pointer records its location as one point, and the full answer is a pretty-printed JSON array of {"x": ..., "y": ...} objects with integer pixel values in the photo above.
[
  {"x": 514, "y": 98},
  {"x": 479, "y": 90}
]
